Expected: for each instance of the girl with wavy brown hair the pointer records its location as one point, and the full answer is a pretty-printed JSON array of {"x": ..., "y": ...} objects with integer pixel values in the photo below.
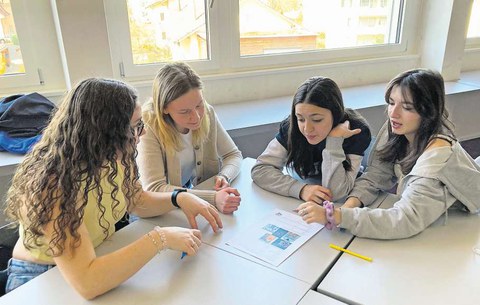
[{"x": 78, "y": 181}]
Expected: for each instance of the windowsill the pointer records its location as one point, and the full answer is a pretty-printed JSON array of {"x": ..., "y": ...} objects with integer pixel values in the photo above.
[{"x": 273, "y": 110}]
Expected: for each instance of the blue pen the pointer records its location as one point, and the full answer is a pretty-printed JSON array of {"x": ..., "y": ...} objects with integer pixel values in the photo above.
[{"x": 183, "y": 255}]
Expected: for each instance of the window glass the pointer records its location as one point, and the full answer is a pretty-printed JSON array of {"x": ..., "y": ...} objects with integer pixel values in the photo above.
[
  {"x": 281, "y": 26},
  {"x": 166, "y": 30},
  {"x": 474, "y": 26},
  {"x": 11, "y": 61}
]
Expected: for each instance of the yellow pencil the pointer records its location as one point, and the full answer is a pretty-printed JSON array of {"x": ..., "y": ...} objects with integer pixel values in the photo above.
[{"x": 368, "y": 259}]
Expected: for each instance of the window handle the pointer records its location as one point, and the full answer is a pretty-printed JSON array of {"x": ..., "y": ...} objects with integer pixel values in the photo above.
[{"x": 211, "y": 3}]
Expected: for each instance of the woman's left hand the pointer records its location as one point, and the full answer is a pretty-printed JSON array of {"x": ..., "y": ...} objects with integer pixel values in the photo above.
[
  {"x": 221, "y": 182},
  {"x": 312, "y": 212},
  {"x": 343, "y": 131},
  {"x": 227, "y": 200}
]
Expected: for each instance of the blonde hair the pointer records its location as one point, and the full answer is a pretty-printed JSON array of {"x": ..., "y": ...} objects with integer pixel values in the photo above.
[{"x": 171, "y": 82}]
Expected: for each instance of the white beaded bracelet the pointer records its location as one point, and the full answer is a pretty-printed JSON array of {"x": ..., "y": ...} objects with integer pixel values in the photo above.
[
  {"x": 154, "y": 242},
  {"x": 163, "y": 237}
]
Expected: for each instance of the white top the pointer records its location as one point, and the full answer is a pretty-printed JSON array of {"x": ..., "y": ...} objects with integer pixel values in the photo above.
[{"x": 187, "y": 158}]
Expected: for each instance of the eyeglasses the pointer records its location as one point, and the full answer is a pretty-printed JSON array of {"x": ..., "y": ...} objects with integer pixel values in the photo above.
[{"x": 138, "y": 128}]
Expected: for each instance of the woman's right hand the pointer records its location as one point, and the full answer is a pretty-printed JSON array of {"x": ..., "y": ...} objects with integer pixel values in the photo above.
[
  {"x": 315, "y": 193},
  {"x": 343, "y": 131},
  {"x": 192, "y": 205},
  {"x": 182, "y": 239}
]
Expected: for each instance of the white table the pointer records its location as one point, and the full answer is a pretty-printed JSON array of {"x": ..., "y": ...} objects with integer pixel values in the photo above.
[
  {"x": 307, "y": 264},
  {"x": 315, "y": 298},
  {"x": 212, "y": 277},
  {"x": 438, "y": 266},
  {"x": 9, "y": 162}
]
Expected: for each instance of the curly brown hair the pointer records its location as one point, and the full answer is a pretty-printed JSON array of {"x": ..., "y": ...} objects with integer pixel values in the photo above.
[{"x": 86, "y": 137}]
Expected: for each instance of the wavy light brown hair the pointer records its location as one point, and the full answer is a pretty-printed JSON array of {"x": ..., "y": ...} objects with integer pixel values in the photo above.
[{"x": 89, "y": 135}]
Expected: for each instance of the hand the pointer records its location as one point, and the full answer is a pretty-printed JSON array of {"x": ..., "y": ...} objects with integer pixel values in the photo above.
[
  {"x": 192, "y": 205},
  {"x": 182, "y": 239},
  {"x": 227, "y": 200},
  {"x": 221, "y": 182},
  {"x": 312, "y": 212},
  {"x": 343, "y": 131},
  {"x": 315, "y": 193}
]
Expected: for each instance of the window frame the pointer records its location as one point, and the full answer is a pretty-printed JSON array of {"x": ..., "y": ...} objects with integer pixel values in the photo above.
[
  {"x": 225, "y": 57},
  {"x": 40, "y": 52}
]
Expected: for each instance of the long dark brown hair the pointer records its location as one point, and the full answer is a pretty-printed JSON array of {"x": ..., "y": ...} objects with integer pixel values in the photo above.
[
  {"x": 427, "y": 90},
  {"x": 89, "y": 136},
  {"x": 322, "y": 92}
]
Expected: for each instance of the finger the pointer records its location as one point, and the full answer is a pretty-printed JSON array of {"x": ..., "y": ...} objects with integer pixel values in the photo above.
[
  {"x": 326, "y": 191},
  {"x": 197, "y": 240},
  {"x": 216, "y": 216},
  {"x": 233, "y": 199},
  {"x": 347, "y": 124},
  {"x": 209, "y": 215},
  {"x": 232, "y": 190},
  {"x": 218, "y": 182},
  {"x": 228, "y": 211},
  {"x": 231, "y": 204},
  {"x": 197, "y": 234},
  {"x": 192, "y": 221},
  {"x": 356, "y": 131},
  {"x": 324, "y": 197},
  {"x": 301, "y": 206},
  {"x": 317, "y": 199}
]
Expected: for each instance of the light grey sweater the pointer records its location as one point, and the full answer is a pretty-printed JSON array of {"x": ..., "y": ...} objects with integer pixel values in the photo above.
[
  {"x": 268, "y": 171},
  {"x": 441, "y": 177}
]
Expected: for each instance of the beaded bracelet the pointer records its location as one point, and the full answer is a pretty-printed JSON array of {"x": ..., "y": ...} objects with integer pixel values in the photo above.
[
  {"x": 329, "y": 210},
  {"x": 163, "y": 237},
  {"x": 154, "y": 242}
]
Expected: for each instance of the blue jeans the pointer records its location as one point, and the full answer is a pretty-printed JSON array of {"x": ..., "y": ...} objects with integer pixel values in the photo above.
[{"x": 19, "y": 272}]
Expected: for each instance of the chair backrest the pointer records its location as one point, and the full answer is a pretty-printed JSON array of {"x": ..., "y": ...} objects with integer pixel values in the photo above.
[{"x": 8, "y": 239}]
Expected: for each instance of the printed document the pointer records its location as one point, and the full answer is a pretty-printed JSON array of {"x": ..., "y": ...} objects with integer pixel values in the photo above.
[{"x": 275, "y": 237}]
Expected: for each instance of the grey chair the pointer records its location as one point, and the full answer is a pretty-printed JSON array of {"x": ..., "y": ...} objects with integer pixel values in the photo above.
[{"x": 8, "y": 238}]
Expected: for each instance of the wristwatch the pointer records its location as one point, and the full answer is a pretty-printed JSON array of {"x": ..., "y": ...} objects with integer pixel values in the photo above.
[{"x": 174, "y": 196}]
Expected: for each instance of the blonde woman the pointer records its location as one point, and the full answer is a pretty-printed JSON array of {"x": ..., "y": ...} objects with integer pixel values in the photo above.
[{"x": 185, "y": 143}]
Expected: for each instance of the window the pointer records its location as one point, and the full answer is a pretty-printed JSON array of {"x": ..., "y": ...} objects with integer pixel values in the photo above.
[
  {"x": 249, "y": 35},
  {"x": 162, "y": 31},
  {"x": 312, "y": 25},
  {"x": 30, "y": 57},
  {"x": 11, "y": 61},
  {"x": 474, "y": 25}
]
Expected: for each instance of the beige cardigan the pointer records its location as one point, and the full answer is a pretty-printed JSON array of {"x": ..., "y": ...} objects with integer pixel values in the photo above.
[{"x": 160, "y": 171}]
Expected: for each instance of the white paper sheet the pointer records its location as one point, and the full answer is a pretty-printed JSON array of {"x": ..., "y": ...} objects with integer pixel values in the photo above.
[{"x": 275, "y": 237}]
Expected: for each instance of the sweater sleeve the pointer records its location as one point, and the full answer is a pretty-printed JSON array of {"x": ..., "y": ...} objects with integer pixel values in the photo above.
[
  {"x": 423, "y": 201},
  {"x": 334, "y": 175},
  {"x": 229, "y": 153},
  {"x": 268, "y": 172},
  {"x": 151, "y": 163}
]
